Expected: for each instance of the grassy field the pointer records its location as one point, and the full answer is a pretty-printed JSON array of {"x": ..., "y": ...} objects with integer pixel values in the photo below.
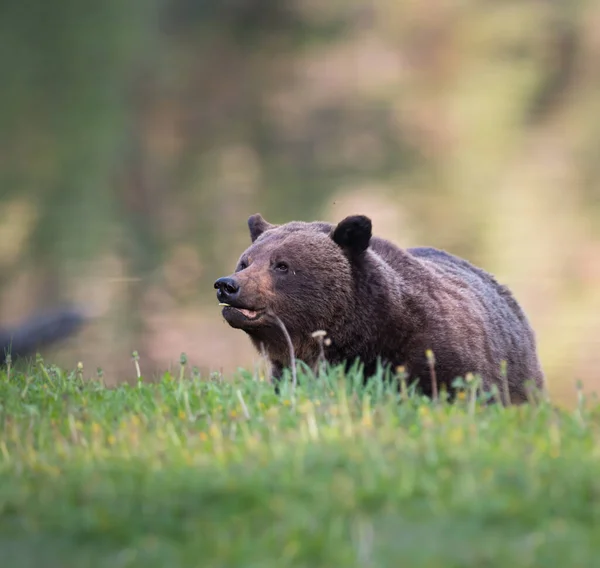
[{"x": 201, "y": 472}]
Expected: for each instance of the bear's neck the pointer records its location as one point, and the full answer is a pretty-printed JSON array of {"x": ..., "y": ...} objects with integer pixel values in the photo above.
[
  {"x": 382, "y": 317},
  {"x": 376, "y": 331}
]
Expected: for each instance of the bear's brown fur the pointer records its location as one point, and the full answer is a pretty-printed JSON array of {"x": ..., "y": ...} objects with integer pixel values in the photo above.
[{"x": 377, "y": 302}]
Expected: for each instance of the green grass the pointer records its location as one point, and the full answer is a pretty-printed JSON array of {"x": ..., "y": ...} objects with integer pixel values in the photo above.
[{"x": 192, "y": 472}]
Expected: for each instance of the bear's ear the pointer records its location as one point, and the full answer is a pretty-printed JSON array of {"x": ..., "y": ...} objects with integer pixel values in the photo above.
[
  {"x": 353, "y": 234},
  {"x": 258, "y": 226}
]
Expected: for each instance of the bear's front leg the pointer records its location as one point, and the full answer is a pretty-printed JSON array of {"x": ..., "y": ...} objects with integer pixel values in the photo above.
[{"x": 276, "y": 372}]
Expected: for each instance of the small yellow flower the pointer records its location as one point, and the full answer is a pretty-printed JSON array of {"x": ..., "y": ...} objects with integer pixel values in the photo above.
[
  {"x": 203, "y": 436},
  {"x": 181, "y": 415},
  {"x": 272, "y": 411},
  {"x": 286, "y": 402},
  {"x": 96, "y": 428},
  {"x": 233, "y": 414},
  {"x": 461, "y": 395},
  {"x": 457, "y": 436},
  {"x": 111, "y": 440}
]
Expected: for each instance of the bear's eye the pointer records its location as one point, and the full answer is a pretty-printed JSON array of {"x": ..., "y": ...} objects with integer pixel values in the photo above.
[
  {"x": 281, "y": 267},
  {"x": 242, "y": 265}
]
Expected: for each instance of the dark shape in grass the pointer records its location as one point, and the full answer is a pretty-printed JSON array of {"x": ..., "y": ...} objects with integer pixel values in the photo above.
[{"x": 40, "y": 330}]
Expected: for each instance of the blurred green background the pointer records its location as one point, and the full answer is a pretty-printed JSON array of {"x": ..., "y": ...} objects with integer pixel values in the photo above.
[{"x": 137, "y": 137}]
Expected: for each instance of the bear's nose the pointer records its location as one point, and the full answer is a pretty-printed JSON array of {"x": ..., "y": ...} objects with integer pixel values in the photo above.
[{"x": 227, "y": 289}]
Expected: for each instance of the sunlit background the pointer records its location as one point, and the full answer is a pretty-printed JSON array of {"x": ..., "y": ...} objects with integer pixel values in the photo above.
[{"x": 137, "y": 137}]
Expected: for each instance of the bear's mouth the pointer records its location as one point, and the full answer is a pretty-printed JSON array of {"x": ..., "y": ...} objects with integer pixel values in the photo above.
[{"x": 248, "y": 313}]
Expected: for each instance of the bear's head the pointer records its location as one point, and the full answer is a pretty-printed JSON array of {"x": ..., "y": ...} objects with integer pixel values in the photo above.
[{"x": 300, "y": 273}]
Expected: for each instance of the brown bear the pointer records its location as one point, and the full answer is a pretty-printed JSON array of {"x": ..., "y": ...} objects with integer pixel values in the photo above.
[{"x": 378, "y": 304}]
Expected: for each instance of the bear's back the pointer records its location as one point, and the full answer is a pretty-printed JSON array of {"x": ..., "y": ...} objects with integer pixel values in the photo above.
[
  {"x": 444, "y": 264},
  {"x": 472, "y": 275}
]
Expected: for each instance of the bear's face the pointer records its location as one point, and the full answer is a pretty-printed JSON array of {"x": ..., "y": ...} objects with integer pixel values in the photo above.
[{"x": 298, "y": 272}]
